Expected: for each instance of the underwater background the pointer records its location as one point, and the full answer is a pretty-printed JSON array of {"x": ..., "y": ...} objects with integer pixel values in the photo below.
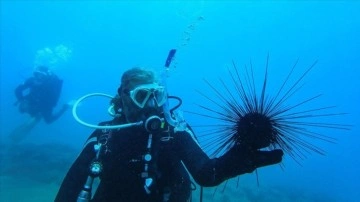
[{"x": 90, "y": 43}]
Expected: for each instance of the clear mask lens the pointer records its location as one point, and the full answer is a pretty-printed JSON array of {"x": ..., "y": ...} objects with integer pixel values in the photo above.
[{"x": 141, "y": 95}]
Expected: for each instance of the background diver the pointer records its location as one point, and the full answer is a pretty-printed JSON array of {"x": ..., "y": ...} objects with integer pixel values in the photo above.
[{"x": 38, "y": 96}]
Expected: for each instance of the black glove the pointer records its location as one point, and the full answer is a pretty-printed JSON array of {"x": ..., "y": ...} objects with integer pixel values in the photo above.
[
  {"x": 241, "y": 160},
  {"x": 265, "y": 158}
]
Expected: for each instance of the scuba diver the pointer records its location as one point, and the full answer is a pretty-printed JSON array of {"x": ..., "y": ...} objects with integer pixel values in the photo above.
[
  {"x": 38, "y": 96},
  {"x": 152, "y": 157}
]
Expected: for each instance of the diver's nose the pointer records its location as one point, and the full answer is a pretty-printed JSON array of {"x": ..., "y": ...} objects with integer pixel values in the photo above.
[{"x": 151, "y": 103}]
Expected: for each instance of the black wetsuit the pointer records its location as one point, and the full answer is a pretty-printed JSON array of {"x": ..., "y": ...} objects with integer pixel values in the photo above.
[
  {"x": 123, "y": 164},
  {"x": 43, "y": 95}
]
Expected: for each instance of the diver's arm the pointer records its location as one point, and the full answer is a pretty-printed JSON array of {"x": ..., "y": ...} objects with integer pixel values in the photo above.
[
  {"x": 20, "y": 89},
  {"x": 55, "y": 87},
  {"x": 76, "y": 177},
  {"x": 237, "y": 161}
]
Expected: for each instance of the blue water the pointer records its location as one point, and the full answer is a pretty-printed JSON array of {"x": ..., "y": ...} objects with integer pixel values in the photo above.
[{"x": 107, "y": 38}]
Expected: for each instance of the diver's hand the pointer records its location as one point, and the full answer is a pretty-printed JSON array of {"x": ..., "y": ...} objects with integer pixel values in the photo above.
[
  {"x": 65, "y": 107},
  {"x": 68, "y": 105},
  {"x": 265, "y": 158},
  {"x": 244, "y": 160}
]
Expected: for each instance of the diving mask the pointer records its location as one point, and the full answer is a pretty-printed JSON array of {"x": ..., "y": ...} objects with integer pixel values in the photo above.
[{"x": 141, "y": 94}]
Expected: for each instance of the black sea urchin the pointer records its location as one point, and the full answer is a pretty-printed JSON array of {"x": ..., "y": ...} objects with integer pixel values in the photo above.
[{"x": 244, "y": 115}]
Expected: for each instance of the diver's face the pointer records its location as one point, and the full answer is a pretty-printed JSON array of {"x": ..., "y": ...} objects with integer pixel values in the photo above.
[{"x": 142, "y": 101}]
